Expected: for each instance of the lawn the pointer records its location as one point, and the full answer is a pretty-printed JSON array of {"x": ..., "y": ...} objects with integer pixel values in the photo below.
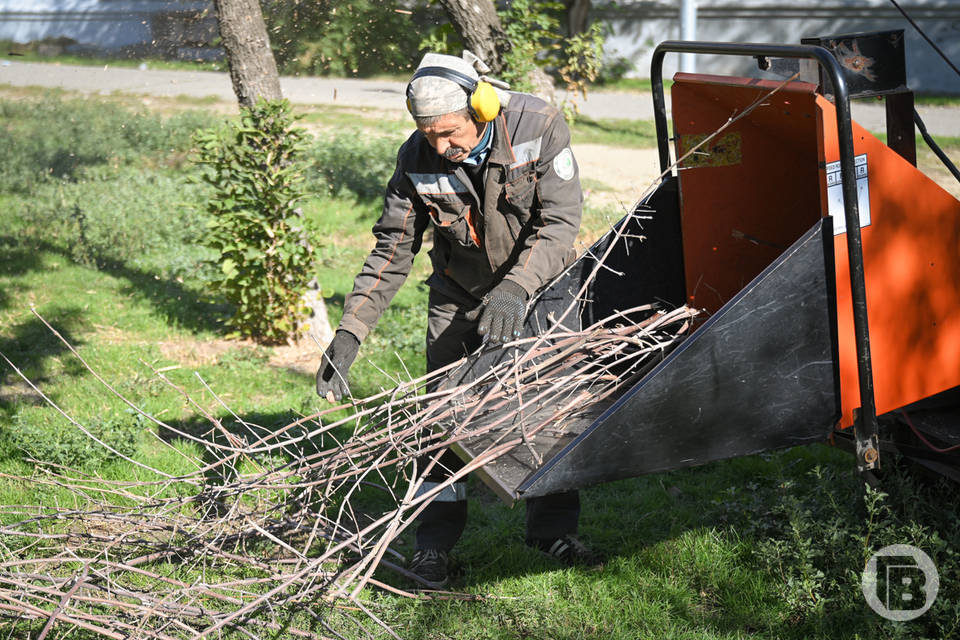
[{"x": 100, "y": 235}]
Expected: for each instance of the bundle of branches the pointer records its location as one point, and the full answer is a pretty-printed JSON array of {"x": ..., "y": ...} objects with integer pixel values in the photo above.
[{"x": 266, "y": 532}]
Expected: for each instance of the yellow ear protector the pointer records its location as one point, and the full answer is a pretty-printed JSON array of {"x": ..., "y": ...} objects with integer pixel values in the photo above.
[{"x": 483, "y": 101}]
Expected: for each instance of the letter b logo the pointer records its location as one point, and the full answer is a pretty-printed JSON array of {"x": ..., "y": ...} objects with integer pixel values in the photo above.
[{"x": 900, "y": 582}]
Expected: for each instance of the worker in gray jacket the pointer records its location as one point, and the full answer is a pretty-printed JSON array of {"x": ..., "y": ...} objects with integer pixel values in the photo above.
[{"x": 492, "y": 173}]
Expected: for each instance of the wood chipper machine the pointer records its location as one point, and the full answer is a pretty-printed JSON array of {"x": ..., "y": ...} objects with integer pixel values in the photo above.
[{"x": 826, "y": 263}]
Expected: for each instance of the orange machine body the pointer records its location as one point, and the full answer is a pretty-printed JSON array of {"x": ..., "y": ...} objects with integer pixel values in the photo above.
[{"x": 753, "y": 189}]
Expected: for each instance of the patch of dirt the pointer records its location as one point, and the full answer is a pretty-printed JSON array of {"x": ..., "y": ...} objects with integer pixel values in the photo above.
[
  {"x": 936, "y": 171},
  {"x": 628, "y": 173},
  {"x": 112, "y": 335},
  {"x": 19, "y": 391},
  {"x": 303, "y": 357},
  {"x": 196, "y": 353}
]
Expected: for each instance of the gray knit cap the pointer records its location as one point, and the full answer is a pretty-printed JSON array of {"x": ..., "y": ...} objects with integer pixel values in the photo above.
[{"x": 435, "y": 96}]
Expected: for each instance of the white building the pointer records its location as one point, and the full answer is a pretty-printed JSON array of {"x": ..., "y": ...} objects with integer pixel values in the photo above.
[
  {"x": 183, "y": 28},
  {"x": 180, "y": 28},
  {"x": 638, "y": 25}
]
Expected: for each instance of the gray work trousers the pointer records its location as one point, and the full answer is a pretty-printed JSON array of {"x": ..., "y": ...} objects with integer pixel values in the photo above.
[{"x": 451, "y": 334}]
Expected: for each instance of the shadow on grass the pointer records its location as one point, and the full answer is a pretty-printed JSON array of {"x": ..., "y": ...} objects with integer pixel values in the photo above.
[
  {"x": 15, "y": 260},
  {"x": 33, "y": 349},
  {"x": 180, "y": 306},
  {"x": 252, "y": 429},
  {"x": 36, "y": 350},
  {"x": 30, "y": 345}
]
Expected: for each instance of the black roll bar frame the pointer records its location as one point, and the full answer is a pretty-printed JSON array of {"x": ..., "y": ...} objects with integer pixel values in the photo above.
[{"x": 865, "y": 418}]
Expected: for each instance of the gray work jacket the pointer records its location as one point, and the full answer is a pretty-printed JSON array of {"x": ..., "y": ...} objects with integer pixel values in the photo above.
[{"x": 521, "y": 229}]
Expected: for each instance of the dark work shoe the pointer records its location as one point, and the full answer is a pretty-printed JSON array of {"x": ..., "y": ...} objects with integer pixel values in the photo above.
[
  {"x": 431, "y": 566},
  {"x": 567, "y": 549}
]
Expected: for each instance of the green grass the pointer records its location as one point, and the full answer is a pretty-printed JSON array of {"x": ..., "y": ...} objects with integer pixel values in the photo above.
[
  {"x": 369, "y": 121},
  {"x": 762, "y": 547},
  {"x": 768, "y": 546},
  {"x": 635, "y": 85},
  {"x": 939, "y": 101},
  {"x": 618, "y": 133}
]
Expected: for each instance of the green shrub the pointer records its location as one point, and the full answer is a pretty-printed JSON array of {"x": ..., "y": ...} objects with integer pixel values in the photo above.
[
  {"x": 581, "y": 65},
  {"x": 69, "y": 446},
  {"x": 51, "y": 137},
  {"x": 136, "y": 217},
  {"x": 614, "y": 70},
  {"x": 256, "y": 229},
  {"x": 533, "y": 32},
  {"x": 348, "y": 162}
]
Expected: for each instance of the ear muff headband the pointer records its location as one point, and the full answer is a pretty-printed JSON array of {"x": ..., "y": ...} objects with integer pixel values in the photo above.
[{"x": 483, "y": 101}]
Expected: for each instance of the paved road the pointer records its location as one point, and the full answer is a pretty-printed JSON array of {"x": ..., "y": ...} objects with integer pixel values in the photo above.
[{"x": 378, "y": 94}]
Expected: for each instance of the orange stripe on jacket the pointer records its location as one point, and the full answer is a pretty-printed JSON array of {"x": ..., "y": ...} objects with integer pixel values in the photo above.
[{"x": 473, "y": 227}]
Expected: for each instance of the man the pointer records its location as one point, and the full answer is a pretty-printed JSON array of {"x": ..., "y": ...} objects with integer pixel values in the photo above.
[{"x": 492, "y": 172}]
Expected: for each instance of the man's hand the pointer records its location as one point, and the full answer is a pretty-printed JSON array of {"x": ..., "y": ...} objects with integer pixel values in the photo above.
[
  {"x": 332, "y": 374},
  {"x": 504, "y": 310}
]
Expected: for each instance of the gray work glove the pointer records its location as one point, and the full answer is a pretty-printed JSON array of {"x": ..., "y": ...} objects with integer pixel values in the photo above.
[
  {"x": 504, "y": 310},
  {"x": 332, "y": 374}
]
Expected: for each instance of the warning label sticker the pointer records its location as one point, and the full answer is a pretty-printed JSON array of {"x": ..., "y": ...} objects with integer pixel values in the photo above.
[{"x": 835, "y": 194}]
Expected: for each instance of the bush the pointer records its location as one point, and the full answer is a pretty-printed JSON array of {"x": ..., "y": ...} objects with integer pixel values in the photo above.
[
  {"x": 263, "y": 255},
  {"x": 70, "y": 447},
  {"x": 136, "y": 217},
  {"x": 86, "y": 133},
  {"x": 533, "y": 32},
  {"x": 614, "y": 70},
  {"x": 580, "y": 65},
  {"x": 347, "y": 163}
]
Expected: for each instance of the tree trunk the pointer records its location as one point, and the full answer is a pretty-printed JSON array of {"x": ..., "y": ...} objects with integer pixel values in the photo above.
[
  {"x": 577, "y": 11},
  {"x": 478, "y": 25},
  {"x": 253, "y": 70}
]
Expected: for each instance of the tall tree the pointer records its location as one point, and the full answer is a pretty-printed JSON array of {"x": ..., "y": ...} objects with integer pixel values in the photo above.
[
  {"x": 253, "y": 70},
  {"x": 479, "y": 26}
]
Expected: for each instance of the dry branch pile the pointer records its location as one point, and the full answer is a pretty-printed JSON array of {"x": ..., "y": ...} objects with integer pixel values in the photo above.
[{"x": 265, "y": 534}]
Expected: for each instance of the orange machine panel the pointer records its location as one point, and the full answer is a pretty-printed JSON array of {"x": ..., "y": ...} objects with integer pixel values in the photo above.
[
  {"x": 911, "y": 261},
  {"x": 766, "y": 179},
  {"x": 751, "y": 192}
]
